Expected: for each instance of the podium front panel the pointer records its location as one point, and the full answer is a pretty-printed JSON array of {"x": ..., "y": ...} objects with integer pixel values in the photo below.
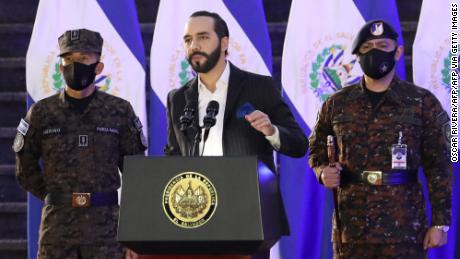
[{"x": 235, "y": 223}]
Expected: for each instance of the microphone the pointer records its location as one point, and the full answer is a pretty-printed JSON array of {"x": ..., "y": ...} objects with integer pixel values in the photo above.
[
  {"x": 209, "y": 119},
  {"x": 212, "y": 110},
  {"x": 187, "y": 118},
  {"x": 186, "y": 121}
]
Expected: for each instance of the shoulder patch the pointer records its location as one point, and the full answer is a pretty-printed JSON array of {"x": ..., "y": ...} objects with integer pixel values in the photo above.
[
  {"x": 446, "y": 133},
  {"x": 23, "y": 127},
  {"x": 137, "y": 124},
  {"x": 442, "y": 117},
  {"x": 18, "y": 142}
]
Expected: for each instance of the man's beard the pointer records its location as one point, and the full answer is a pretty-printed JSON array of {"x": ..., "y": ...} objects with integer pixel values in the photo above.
[{"x": 210, "y": 63}]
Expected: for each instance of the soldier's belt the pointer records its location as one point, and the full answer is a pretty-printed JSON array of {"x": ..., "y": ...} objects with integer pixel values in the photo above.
[
  {"x": 394, "y": 177},
  {"x": 82, "y": 200}
]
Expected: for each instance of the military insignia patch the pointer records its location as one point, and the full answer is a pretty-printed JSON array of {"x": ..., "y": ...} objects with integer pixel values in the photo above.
[
  {"x": 23, "y": 127},
  {"x": 18, "y": 142},
  {"x": 137, "y": 124},
  {"x": 83, "y": 140},
  {"x": 189, "y": 200},
  {"x": 446, "y": 133},
  {"x": 443, "y": 119},
  {"x": 377, "y": 29},
  {"x": 74, "y": 35}
]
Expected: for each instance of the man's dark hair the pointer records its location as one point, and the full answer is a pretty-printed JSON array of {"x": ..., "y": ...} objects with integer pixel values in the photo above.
[{"x": 220, "y": 26}]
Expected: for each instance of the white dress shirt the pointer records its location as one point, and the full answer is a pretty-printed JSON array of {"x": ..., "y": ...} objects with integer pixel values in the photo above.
[{"x": 213, "y": 145}]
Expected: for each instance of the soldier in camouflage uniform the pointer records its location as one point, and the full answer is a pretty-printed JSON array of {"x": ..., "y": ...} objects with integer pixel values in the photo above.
[
  {"x": 385, "y": 129},
  {"x": 81, "y": 135}
]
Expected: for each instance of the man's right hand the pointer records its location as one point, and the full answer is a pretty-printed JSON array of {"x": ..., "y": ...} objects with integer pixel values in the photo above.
[{"x": 330, "y": 176}]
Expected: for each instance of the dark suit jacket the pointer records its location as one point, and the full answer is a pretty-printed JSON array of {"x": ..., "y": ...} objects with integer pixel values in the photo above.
[{"x": 239, "y": 138}]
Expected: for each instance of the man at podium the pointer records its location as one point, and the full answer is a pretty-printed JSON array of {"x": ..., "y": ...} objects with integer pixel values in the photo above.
[
  {"x": 241, "y": 113},
  {"x": 251, "y": 117}
]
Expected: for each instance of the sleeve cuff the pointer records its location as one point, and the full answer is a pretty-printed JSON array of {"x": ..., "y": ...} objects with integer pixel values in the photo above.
[{"x": 275, "y": 139}]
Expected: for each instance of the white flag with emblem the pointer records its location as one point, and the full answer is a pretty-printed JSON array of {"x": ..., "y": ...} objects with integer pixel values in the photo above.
[
  {"x": 431, "y": 50},
  {"x": 317, "y": 59},
  {"x": 432, "y": 67}
]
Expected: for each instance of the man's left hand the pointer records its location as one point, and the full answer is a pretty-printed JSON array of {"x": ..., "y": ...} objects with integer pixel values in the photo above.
[
  {"x": 434, "y": 238},
  {"x": 261, "y": 122}
]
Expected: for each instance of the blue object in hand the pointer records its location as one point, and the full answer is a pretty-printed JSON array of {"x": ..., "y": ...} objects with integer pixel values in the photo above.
[{"x": 244, "y": 110}]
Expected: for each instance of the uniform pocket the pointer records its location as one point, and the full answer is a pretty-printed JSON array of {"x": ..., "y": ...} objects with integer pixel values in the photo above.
[
  {"x": 107, "y": 141},
  {"x": 345, "y": 130},
  {"x": 55, "y": 141}
]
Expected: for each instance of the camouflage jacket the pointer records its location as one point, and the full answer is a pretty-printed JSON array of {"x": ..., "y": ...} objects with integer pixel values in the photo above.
[
  {"x": 80, "y": 152},
  {"x": 364, "y": 135}
]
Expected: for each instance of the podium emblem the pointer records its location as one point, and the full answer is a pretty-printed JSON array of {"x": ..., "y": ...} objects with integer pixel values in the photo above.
[{"x": 189, "y": 200}]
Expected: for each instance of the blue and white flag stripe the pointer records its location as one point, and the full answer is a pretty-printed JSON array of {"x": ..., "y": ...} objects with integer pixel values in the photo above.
[
  {"x": 252, "y": 20},
  {"x": 122, "y": 55},
  {"x": 123, "y": 17}
]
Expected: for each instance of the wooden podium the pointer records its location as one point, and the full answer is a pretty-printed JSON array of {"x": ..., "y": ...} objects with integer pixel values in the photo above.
[{"x": 199, "y": 205}]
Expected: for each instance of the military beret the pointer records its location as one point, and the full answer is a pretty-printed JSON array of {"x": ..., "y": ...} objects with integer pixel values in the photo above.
[
  {"x": 375, "y": 29},
  {"x": 81, "y": 40}
]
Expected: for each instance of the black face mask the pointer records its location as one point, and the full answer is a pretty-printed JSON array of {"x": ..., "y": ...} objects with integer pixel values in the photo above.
[
  {"x": 78, "y": 76},
  {"x": 377, "y": 63}
]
